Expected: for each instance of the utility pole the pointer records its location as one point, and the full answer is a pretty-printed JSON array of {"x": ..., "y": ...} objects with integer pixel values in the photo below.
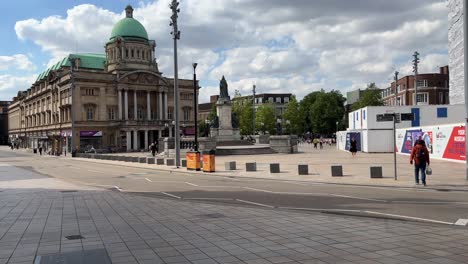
[
  {"x": 253, "y": 105},
  {"x": 415, "y": 70},
  {"x": 465, "y": 60},
  {"x": 195, "y": 104},
  {"x": 72, "y": 89},
  {"x": 394, "y": 144},
  {"x": 174, "y": 6},
  {"x": 396, "y": 87}
]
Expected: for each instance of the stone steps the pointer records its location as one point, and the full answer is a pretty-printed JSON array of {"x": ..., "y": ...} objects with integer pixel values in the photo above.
[{"x": 244, "y": 151}]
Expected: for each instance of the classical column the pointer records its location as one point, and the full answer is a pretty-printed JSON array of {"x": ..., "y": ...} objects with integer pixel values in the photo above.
[
  {"x": 170, "y": 131},
  {"x": 146, "y": 139},
  {"x": 126, "y": 105},
  {"x": 148, "y": 105},
  {"x": 135, "y": 139},
  {"x": 120, "y": 104},
  {"x": 160, "y": 96},
  {"x": 135, "y": 110},
  {"x": 129, "y": 140},
  {"x": 166, "y": 108}
]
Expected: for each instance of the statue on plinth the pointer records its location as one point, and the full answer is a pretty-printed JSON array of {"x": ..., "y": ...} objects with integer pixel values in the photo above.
[{"x": 223, "y": 89}]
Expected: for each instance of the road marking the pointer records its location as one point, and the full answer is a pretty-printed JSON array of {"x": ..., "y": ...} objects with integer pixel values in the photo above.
[
  {"x": 358, "y": 198},
  {"x": 258, "y": 190},
  {"x": 410, "y": 217},
  {"x": 232, "y": 179},
  {"x": 417, "y": 202},
  {"x": 148, "y": 180},
  {"x": 193, "y": 184},
  {"x": 140, "y": 173},
  {"x": 253, "y": 203},
  {"x": 461, "y": 222},
  {"x": 321, "y": 209},
  {"x": 220, "y": 199},
  {"x": 95, "y": 171},
  {"x": 117, "y": 188},
  {"x": 171, "y": 195}
]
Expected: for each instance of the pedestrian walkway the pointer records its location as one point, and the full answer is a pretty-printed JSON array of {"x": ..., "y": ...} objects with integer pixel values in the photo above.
[
  {"x": 356, "y": 170},
  {"x": 42, "y": 221}
]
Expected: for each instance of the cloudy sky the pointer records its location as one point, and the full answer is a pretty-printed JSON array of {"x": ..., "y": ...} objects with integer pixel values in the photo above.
[{"x": 296, "y": 46}]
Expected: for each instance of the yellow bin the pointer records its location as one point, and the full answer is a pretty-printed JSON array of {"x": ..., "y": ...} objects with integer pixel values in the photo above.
[
  {"x": 209, "y": 161},
  {"x": 193, "y": 160}
]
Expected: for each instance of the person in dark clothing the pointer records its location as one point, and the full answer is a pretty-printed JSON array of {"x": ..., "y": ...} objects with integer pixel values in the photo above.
[
  {"x": 40, "y": 150},
  {"x": 353, "y": 147},
  {"x": 153, "y": 149},
  {"x": 420, "y": 156}
]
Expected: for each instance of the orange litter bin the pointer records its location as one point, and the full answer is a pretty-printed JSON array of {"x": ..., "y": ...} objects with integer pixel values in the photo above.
[
  {"x": 193, "y": 160},
  {"x": 209, "y": 161}
]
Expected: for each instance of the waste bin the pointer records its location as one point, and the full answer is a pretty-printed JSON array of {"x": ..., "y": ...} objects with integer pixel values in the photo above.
[
  {"x": 193, "y": 160},
  {"x": 209, "y": 160},
  {"x": 35, "y": 150}
]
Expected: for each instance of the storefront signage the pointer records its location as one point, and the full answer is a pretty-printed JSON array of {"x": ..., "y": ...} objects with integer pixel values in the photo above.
[{"x": 90, "y": 133}]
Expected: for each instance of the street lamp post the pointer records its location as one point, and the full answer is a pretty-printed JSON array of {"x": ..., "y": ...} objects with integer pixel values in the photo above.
[
  {"x": 72, "y": 89},
  {"x": 195, "y": 104},
  {"x": 415, "y": 70},
  {"x": 253, "y": 105},
  {"x": 176, "y": 36}
]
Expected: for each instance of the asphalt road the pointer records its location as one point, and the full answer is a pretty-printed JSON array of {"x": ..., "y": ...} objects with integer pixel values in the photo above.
[{"x": 408, "y": 203}]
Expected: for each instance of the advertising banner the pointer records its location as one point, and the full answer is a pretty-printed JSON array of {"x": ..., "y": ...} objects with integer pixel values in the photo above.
[
  {"x": 90, "y": 133},
  {"x": 351, "y": 135},
  {"x": 455, "y": 148}
]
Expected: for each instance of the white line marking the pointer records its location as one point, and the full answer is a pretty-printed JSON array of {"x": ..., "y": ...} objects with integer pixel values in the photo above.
[
  {"x": 232, "y": 179},
  {"x": 321, "y": 209},
  {"x": 416, "y": 202},
  {"x": 95, "y": 171},
  {"x": 358, "y": 198},
  {"x": 117, "y": 188},
  {"x": 140, "y": 173},
  {"x": 171, "y": 195},
  {"x": 258, "y": 190},
  {"x": 259, "y": 204},
  {"x": 410, "y": 217},
  {"x": 220, "y": 199},
  {"x": 193, "y": 184},
  {"x": 148, "y": 180},
  {"x": 461, "y": 222}
]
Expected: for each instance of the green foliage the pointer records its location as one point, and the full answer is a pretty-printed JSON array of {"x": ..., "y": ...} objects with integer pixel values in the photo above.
[
  {"x": 370, "y": 97},
  {"x": 203, "y": 128},
  {"x": 304, "y": 109},
  {"x": 212, "y": 114},
  {"x": 293, "y": 117},
  {"x": 265, "y": 118},
  {"x": 243, "y": 109}
]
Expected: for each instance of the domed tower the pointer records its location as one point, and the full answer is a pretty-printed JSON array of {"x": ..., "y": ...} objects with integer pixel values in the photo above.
[{"x": 129, "y": 47}]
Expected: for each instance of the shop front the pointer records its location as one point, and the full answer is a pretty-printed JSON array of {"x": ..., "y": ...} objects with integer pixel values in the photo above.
[{"x": 91, "y": 140}]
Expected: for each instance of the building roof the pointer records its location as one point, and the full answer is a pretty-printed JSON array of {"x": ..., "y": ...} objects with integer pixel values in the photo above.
[
  {"x": 87, "y": 60},
  {"x": 129, "y": 27}
]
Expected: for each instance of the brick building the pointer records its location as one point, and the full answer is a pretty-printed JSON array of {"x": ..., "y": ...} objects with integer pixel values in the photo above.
[{"x": 433, "y": 89}]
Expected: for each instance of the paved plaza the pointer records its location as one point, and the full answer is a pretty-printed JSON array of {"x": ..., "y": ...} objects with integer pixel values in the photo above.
[
  {"x": 356, "y": 170},
  {"x": 38, "y": 213}
]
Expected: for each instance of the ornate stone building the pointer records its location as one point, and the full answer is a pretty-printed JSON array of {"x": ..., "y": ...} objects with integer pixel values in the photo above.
[{"x": 120, "y": 99}]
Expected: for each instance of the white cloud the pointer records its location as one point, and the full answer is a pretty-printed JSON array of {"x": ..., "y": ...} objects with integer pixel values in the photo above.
[
  {"x": 10, "y": 85},
  {"x": 16, "y": 62},
  {"x": 283, "y": 47}
]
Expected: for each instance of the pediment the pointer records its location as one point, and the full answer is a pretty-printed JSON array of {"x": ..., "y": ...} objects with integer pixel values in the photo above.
[{"x": 142, "y": 78}]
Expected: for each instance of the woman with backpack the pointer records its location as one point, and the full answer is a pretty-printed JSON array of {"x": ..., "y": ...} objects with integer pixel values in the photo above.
[{"x": 420, "y": 156}]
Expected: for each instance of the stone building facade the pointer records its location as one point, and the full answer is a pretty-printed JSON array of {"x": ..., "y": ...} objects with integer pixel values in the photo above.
[
  {"x": 120, "y": 99},
  {"x": 4, "y": 122},
  {"x": 433, "y": 89},
  {"x": 456, "y": 51}
]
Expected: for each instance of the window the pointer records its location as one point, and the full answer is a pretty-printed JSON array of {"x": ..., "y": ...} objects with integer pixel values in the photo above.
[
  {"x": 398, "y": 88},
  {"x": 442, "y": 112},
  {"x": 89, "y": 91},
  {"x": 422, "y": 98},
  {"x": 422, "y": 83},
  {"x": 111, "y": 113},
  {"x": 270, "y": 99},
  {"x": 186, "y": 114},
  {"x": 286, "y": 100},
  {"x": 133, "y": 53},
  {"x": 126, "y": 53},
  {"x": 90, "y": 113},
  {"x": 138, "y": 53},
  {"x": 278, "y": 100},
  {"x": 259, "y": 100},
  {"x": 441, "y": 98},
  {"x": 140, "y": 113},
  {"x": 170, "y": 112}
]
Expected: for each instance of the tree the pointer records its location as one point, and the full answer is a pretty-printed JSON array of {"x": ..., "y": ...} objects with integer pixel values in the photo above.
[
  {"x": 371, "y": 96},
  {"x": 326, "y": 112},
  {"x": 243, "y": 108},
  {"x": 293, "y": 117},
  {"x": 265, "y": 118},
  {"x": 304, "y": 109}
]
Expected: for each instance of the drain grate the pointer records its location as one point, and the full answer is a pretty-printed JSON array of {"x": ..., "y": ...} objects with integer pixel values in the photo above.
[
  {"x": 215, "y": 215},
  {"x": 68, "y": 191},
  {"x": 74, "y": 237}
]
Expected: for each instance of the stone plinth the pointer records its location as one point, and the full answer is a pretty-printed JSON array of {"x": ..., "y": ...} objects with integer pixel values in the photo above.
[
  {"x": 206, "y": 143},
  {"x": 251, "y": 166},
  {"x": 230, "y": 165},
  {"x": 151, "y": 160},
  {"x": 337, "y": 170},
  {"x": 284, "y": 144},
  {"x": 274, "y": 168},
  {"x": 303, "y": 169},
  {"x": 376, "y": 172}
]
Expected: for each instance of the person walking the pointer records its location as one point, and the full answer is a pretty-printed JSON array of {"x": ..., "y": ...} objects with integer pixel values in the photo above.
[
  {"x": 353, "y": 147},
  {"x": 153, "y": 149},
  {"x": 40, "y": 149},
  {"x": 321, "y": 143},
  {"x": 420, "y": 156}
]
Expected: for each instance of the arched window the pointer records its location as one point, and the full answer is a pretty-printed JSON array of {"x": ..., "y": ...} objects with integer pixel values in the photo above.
[
  {"x": 133, "y": 54},
  {"x": 138, "y": 54}
]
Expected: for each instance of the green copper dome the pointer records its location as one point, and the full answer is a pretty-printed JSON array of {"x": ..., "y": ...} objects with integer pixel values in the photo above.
[{"x": 129, "y": 27}]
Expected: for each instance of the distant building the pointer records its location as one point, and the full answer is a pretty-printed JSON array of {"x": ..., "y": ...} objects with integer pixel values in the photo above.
[
  {"x": 354, "y": 96},
  {"x": 279, "y": 100},
  {"x": 456, "y": 51},
  {"x": 4, "y": 122},
  {"x": 433, "y": 89}
]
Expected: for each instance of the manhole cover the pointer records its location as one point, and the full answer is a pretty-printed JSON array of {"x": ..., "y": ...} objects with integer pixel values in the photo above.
[
  {"x": 68, "y": 191},
  {"x": 216, "y": 215},
  {"x": 74, "y": 237},
  {"x": 94, "y": 256}
]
